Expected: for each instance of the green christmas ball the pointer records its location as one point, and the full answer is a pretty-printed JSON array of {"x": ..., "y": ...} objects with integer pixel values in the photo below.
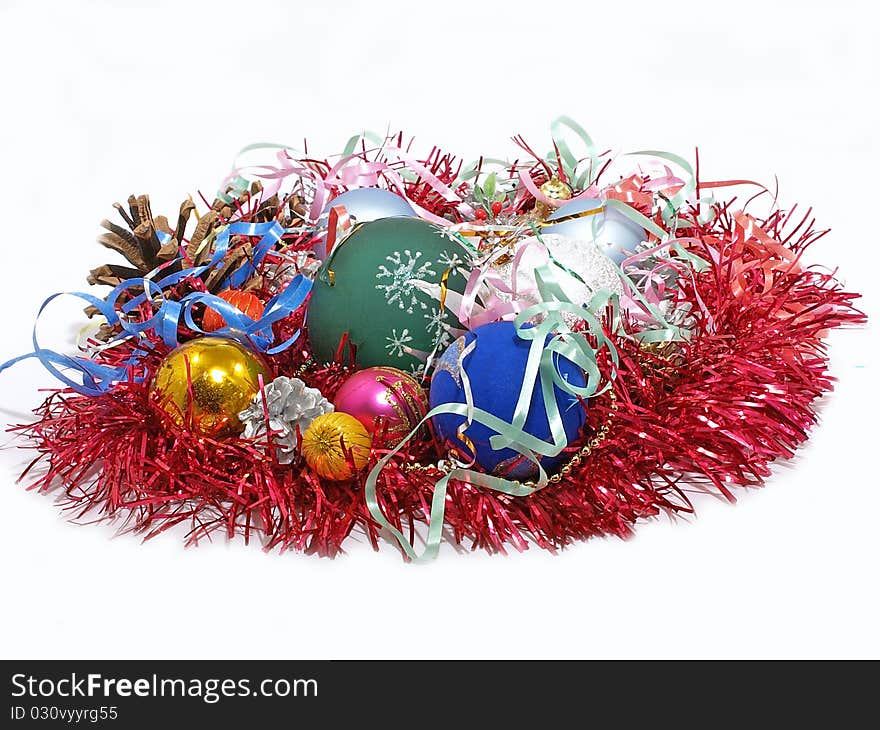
[{"x": 372, "y": 286}]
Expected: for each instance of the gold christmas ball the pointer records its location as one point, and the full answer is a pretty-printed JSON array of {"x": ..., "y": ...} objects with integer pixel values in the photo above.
[
  {"x": 204, "y": 383},
  {"x": 328, "y": 438},
  {"x": 554, "y": 189}
]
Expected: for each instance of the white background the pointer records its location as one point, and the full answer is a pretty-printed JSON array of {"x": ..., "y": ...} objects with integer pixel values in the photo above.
[{"x": 100, "y": 100}]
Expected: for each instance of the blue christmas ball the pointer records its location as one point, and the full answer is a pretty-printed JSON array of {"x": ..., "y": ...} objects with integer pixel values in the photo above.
[
  {"x": 495, "y": 370},
  {"x": 615, "y": 234}
]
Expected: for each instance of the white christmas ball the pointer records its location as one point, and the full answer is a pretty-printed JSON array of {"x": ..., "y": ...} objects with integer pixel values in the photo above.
[{"x": 580, "y": 268}]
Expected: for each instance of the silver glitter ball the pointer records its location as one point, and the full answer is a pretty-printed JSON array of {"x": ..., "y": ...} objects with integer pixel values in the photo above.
[{"x": 581, "y": 270}]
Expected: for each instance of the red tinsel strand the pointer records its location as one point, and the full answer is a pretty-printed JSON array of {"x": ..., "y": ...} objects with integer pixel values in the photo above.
[
  {"x": 445, "y": 168},
  {"x": 714, "y": 414}
]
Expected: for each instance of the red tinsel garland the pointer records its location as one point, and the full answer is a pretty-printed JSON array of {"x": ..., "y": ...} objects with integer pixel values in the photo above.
[{"x": 713, "y": 415}]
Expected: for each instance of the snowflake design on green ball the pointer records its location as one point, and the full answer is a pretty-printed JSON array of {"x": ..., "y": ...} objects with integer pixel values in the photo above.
[
  {"x": 403, "y": 269},
  {"x": 450, "y": 261},
  {"x": 437, "y": 328},
  {"x": 397, "y": 343}
]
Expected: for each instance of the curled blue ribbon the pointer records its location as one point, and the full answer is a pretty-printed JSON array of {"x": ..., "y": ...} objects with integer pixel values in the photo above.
[{"x": 96, "y": 378}]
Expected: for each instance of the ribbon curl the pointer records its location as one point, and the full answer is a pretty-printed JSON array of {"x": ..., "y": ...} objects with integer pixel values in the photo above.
[
  {"x": 541, "y": 366},
  {"x": 167, "y": 317}
]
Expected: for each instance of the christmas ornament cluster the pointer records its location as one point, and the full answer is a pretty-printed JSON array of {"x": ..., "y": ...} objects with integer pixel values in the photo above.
[{"x": 410, "y": 349}]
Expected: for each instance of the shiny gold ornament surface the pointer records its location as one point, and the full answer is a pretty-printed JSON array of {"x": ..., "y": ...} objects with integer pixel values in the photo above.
[
  {"x": 204, "y": 383},
  {"x": 328, "y": 438},
  {"x": 554, "y": 189}
]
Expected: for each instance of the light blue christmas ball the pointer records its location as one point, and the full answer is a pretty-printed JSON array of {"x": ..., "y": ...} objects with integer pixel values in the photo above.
[
  {"x": 370, "y": 204},
  {"x": 364, "y": 205},
  {"x": 615, "y": 234},
  {"x": 495, "y": 370}
]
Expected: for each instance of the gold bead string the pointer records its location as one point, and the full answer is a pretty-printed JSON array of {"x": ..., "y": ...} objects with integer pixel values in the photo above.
[
  {"x": 587, "y": 448},
  {"x": 583, "y": 453},
  {"x": 443, "y": 467},
  {"x": 304, "y": 368}
]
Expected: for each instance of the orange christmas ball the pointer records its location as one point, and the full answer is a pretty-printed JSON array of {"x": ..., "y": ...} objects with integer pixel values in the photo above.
[
  {"x": 244, "y": 301},
  {"x": 332, "y": 442}
]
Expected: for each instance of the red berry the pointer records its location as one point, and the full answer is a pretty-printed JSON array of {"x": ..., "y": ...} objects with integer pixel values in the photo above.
[
  {"x": 480, "y": 214},
  {"x": 496, "y": 207}
]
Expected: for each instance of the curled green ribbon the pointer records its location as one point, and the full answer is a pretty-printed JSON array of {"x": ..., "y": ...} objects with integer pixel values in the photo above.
[
  {"x": 541, "y": 366},
  {"x": 570, "y": 163}
]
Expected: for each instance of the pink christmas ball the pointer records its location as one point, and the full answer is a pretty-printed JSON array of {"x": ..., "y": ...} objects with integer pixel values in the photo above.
[{"x": 386, "y": 400}]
